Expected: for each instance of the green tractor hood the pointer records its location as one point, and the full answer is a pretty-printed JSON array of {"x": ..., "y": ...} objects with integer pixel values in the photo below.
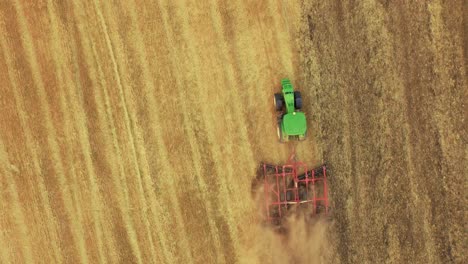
[{"x": 294, "y": 124}]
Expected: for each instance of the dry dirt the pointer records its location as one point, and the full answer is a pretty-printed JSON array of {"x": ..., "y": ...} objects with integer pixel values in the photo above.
[
  {"x": 130, "y": 131},
  {"x": 388, "y": 92}
]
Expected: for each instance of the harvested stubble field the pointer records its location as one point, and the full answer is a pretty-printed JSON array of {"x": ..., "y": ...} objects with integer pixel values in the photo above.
[{"x": 130, "y": 131}]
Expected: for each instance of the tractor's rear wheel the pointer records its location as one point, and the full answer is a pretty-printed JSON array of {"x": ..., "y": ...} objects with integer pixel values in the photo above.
[
  {"x": 297, "y": 100},
  {"x": 278, "y": 101}
]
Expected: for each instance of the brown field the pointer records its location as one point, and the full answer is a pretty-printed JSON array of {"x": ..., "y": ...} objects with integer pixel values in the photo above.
[{"x": 130, "y": 131}]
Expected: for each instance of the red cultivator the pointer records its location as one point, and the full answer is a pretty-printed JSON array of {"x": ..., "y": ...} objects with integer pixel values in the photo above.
[{"x": 293, "y": 187}]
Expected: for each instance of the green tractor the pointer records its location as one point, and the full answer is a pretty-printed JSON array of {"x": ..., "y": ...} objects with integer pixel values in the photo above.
[{"x": 291, "y": 120}]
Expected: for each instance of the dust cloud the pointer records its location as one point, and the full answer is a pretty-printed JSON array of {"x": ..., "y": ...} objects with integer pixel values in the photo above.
[
  {"x": 300, "y": 238},
  {"x": 303, "y": 241}
]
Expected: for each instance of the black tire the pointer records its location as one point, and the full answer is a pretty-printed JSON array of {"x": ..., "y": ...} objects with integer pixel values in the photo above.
[
  {"x": 297, "y": 100},
  {"x": 319, "y": 171},
  {"x": 278, "y": 101}
]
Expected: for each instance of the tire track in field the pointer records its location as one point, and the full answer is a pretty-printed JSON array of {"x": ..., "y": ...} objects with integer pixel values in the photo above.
[
  {"x": 162, "y": 148},
  {"x": 190, "y": 56},
  {"x": 178, "y": 213},
  {"x": 203, "y": 166},
  {"x": 115, "y": 166},
  {"x": 97, "y": 200},
  {"x": 91, "y": 76},
  {"x": 196, "y": 101},
  {"x": 67, "y": 122},
  {"x": 146, "y": 181},
  {"x": 104, "y": 117},
  {"x": 234, "y": 117},
  {"x": 108, "y": 102},
  {"x": 115, "y": 163},
  {"x": 51, "y": 138},
  {"x": 51, "y": 222},
  {"x": 154, "y": 120},
  {"x": 119, "y": 69},
  {"x": 194, "y": 121},
  {"x": 194, "y": 149},
  {"x": 66, "y": 81},
  {"x": 207, "y": 107},
  {"x": 121, "y": 97},
  {"x": 18, "y": 214}
]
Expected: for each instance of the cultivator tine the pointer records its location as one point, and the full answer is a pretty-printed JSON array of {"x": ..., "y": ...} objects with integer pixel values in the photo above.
[
  {"x": 319, "y": 171},
  {"x": 286, "y": 187}
]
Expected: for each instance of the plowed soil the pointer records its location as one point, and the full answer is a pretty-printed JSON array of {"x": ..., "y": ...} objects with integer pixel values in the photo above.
[
  {"x": 389, "y": 92},
  {"x": 130, "y": 131}
]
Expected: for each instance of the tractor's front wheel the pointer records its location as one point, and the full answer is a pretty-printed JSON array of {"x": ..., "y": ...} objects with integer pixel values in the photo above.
[{"x": 278, "y": 101}]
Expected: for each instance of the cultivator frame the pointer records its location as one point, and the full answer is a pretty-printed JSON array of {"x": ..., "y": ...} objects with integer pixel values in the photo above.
[{"x": 293, "y": 185}]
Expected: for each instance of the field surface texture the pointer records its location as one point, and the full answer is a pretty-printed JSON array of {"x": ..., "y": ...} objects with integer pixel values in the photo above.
[
  {"x": 389, "y": 94},
  {"x": 130, "y": 131}
]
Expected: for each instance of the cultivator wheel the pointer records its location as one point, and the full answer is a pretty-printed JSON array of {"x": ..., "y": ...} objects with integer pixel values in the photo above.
[{"x": 293, "y": 187}]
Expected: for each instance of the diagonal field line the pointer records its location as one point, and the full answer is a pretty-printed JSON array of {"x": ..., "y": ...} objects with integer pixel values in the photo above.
[
  {"x": 78, "y": 237},
  {"x": 51, "y": 222},
  {"x": 18, "y": 213}
]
